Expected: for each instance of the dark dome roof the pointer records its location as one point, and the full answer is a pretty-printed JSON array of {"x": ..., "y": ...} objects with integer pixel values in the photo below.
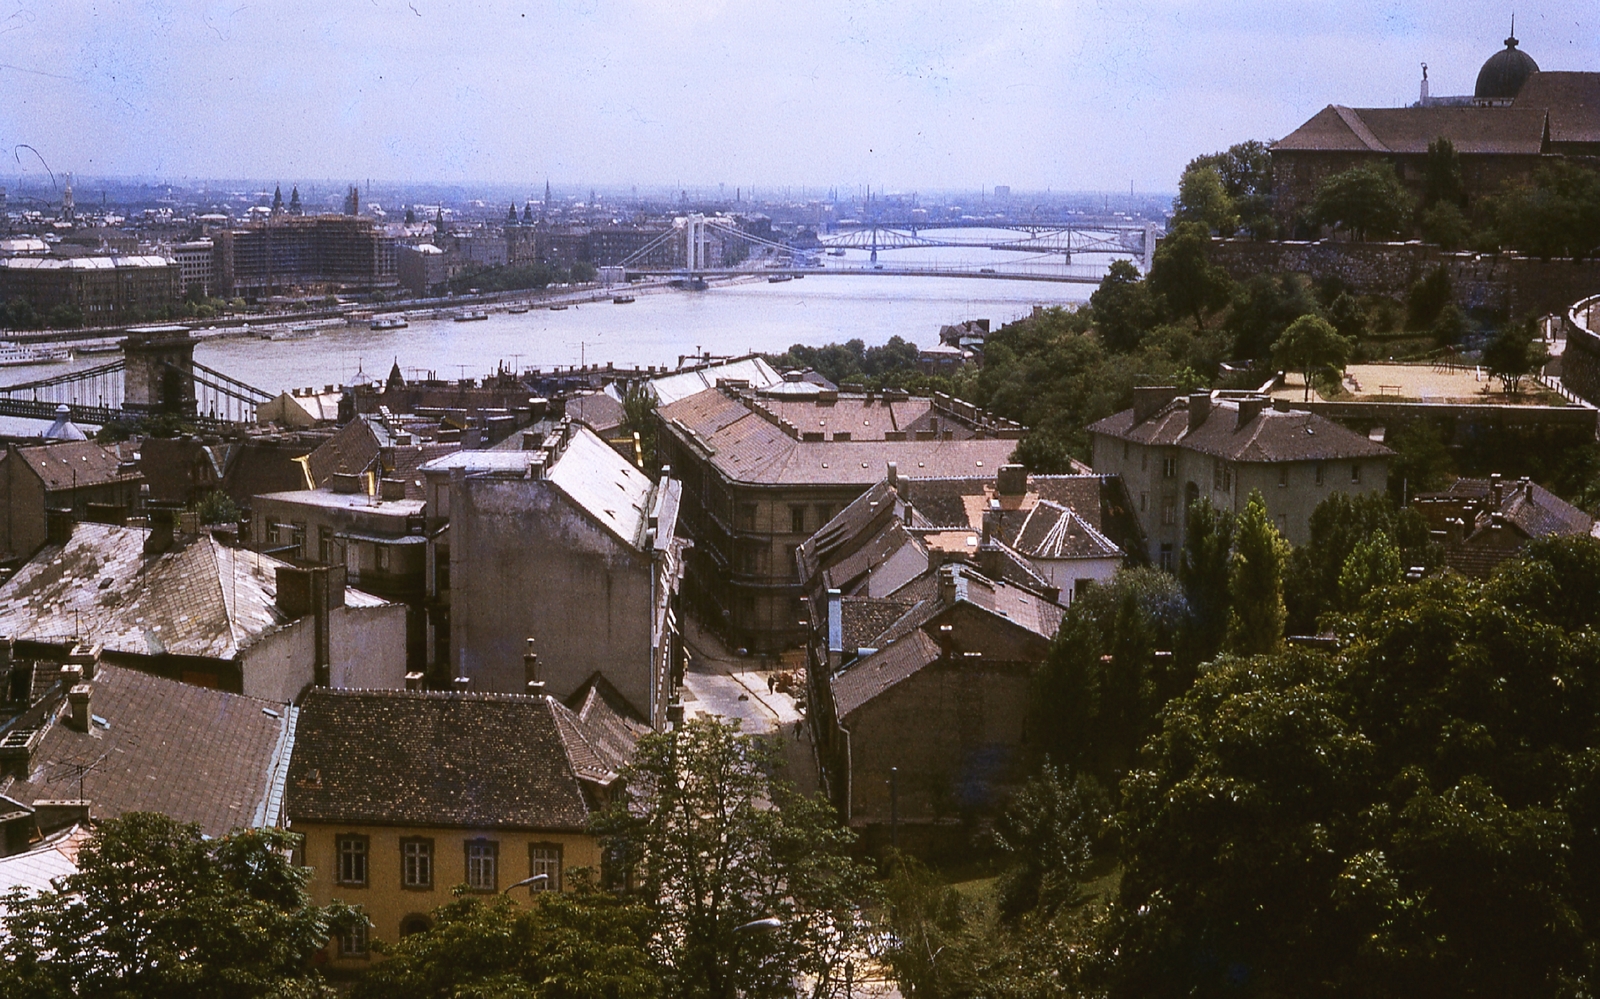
[{"x": 1505, "y": 73}]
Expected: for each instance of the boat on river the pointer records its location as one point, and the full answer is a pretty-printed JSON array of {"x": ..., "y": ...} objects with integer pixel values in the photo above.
[
  {"x": 517, "y": 310},
  {"x": 15, "y": 356},
  {"x": 470, "y": 316},
  {"x": 623, "y": 300},
  {"x": 780, "y": 278},
  {"x": 558, "y": 308},
  {"x": 390, "y": 323}
]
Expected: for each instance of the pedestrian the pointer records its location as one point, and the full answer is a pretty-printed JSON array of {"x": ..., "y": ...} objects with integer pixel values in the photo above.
[{"x": 772, "y": 683}]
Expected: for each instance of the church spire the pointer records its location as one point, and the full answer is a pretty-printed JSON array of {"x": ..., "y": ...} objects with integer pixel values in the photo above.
[{"x": 277, "y": 200}]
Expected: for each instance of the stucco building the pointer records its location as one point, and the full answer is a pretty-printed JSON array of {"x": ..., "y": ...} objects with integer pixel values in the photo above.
[
  {"x": 762, "y": 471},
  {"x": 1170, "y": 450},
  {"x": 80, "y": 479}
]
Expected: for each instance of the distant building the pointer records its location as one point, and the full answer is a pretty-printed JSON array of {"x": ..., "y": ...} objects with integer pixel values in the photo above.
[
  {"x": 1483, "y": 522},
  {"x": 84, "y": 740},
  {"x": 567, "y": 546},
  {"x": 1170, "y": 450},
  {"x": 106, "y": 290},
  {"x": 81, "y": 480},
  {"x": 402, "y": 796},
  {"x": 762, "y": 472},
  {"x": 192, "y": 609},
  {"x": 288, "y": 253},
  {"x": 194, "y": 260},
  {"x": 1514, "y": 121},
  {"x": 421, "y": 269}
]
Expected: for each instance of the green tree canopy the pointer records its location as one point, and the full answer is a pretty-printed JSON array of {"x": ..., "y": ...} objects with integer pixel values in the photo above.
[
  {"x": 1255, "y": 582},
  {"x": 1246, "y": 173},
  {"x": 711, "y": 840},
  {"x": 1203, "y": 568},
  {"x": 1366, "y": 202},
  {"x": 584, "y": 943},
  {"x": 1263, "y": 306},
  {"x": 1182, "y": 273},
  {"x": 1122, "y": 307},
  {"x": 1556, "y": 215},
  {"x": 1310, "y": 345},
  {"x": 1441, "y": 175},
  {"x": 1513, "y": 355},
  {"x": 158, "y": 910},
  {"x": 1203, "y": 200}
]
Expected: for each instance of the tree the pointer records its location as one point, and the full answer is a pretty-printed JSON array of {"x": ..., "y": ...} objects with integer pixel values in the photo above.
[
  {"x": 1311, "y": 344},
  {"x": 158, "y": 910},
  {"x": 1203, "y": 200},
  {"x": 711, "y": 840},
  {"x": 1255, "y": 582},
  {"x": 1182, "y": 273},
  {"x": 584, "y": 943},
  {"x": 1422, "y": 462},
  {"x": 639, "y": 418},
  {"x": 1441, "y": 176},
  {"x": 1203, "y": 568},
  {"x": 1246, "y": 173},
  {"x": 1122, "y": 307},
  {"x": 1367, "y": 202},
  {"x": 1446, "y": 225},
  {"x": 1513, "y": 354},
  {"x": 1374, "y": 562},
  {"x": 1427, "y": 298},
  {"x": 1262, "y": 308},
  {"x": 1557, "y": 215},
  {"x": 1347, "y": 316}
]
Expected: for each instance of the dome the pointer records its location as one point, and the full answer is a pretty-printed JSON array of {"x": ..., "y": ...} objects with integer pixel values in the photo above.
[{"x": 1505, "y": 73}]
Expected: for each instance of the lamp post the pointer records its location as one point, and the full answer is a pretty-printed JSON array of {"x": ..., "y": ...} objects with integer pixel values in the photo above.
[
  {"x": 766, "y": 924},
  {"x": 526, "y": 883}
]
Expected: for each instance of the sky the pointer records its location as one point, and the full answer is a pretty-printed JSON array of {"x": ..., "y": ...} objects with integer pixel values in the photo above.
[{"x": 1090, "y": 95}]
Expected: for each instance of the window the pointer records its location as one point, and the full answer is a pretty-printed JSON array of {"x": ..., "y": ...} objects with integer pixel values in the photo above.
[
  {"x": 1355, "y": 471},
  {"x": 1216, "y": 473},
  {"x": 324, "y": 545},
  {"x": 415, "y": 923},
  {"x": 747, "y": 516},
  {"x": 352, "y": 869},
  {"x": 1320, "y": 472},
  {"x": 353, "y": 941},
  {"x": 1169, "y": 510},
  {"x": 416, "y": 863},
  {"x": 1166, "y": 556},
  {"x": 1169, "y": 468},
  {"x": 1144, "y": 460},
  {"x": 792, "y": 562},
  {"x": 1080, "y": 587},
  {"x": 299, "y": 539},
  {"x": 1143, "y": 497},
  {"x": 272, "y": 532},
  {"x": 1125, "y": 450},
  {"x": 1227, "y": 479},
  {"x": 545, "y": 858},
  {"x": 483, "y": 865},
  {"x": 1283, "y": 476},
  {"x": 797, "y": 520},
  {"x": 824, "y": 513},
  {"x": 382, "y": 554}
]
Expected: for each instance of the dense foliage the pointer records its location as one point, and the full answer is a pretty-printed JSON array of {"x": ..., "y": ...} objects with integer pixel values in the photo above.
[{"x": 157, "y": 910}]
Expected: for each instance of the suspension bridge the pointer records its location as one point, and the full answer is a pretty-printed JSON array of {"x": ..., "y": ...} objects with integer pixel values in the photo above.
[{"x": 156, "y": 374}]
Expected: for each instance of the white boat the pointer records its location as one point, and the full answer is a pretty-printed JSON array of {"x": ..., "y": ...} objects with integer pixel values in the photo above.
[
  {"x": 390, "y": 323},
  {"x": 471, "y": 316},
  {"x": 295, "y": 333},
  {"x": 15, "y": 356}
]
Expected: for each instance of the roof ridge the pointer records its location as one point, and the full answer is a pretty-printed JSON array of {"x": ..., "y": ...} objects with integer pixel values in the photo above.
[
  {"x": 463, "y": 695},
  {"x": 1352, "y": 119}
]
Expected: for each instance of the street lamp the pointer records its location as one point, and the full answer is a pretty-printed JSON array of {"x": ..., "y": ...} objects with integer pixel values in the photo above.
[
  {"x": 526, "y": 883},
  {"x": 766, "y": 924}
]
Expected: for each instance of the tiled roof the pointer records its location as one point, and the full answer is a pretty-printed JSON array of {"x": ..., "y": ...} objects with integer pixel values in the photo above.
[
  {"x": 604, "y": 484},
  {"x": 1015, "y": 604},
  {"x": 960, "y": 502},
  {"x": 477, "y": 761},
  {"x": 1051, "y": 531},
  {"x": 200, "y": 598},
  {"x": 1535, "y": 510},
  {"x": 74, "y": 464},
  {"x": 258, "y": 467},
  {"x": 747, "y": 447},
  {"x": 865, "y": 680},
  {"x": 599, "y": 411},
  {"x": 1572, "y": 99},
  {"x": 352, "y": 450},
  {"x": 863, "y": 619},
  {"x": 754, "y": 369},
  {"x": 196, "y": 754},
  {"x": 1473, "y": 130},
  {"x": 56, "y": 856},
  {"x": 1271, "y": 435}
]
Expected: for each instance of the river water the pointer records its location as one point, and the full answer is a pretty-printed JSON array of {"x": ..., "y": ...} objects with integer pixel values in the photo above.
[{"x": 657, "y": 328}]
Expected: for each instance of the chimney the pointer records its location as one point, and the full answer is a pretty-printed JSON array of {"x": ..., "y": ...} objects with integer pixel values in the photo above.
[
  {"x": 346, "y": 482},
  {"x": 530, "y": 672},
  {"x": 78, "y": 702},
  {"x": 86, "y": 656},
  {"x": 894, "y": 475},
  {"x": 1249, "y": 409},
  {"x": 1199, "y": 409},
  {"x": 58, "y": 522},
  {"x": 414, "y": 681},
  {"x": 1148, "y": 400},
  {"x": 1496, "y": 489},
  {"x": 392, "y": 489},
  {"x": 1012, "y": 480},
  {"x": 460, "y": 684},
  {"x": 835, "y": 630},
  {"x": 949, "y": 585},
  {"x": 161, "y": 518},
  {"x": 991, "y": 521},
  {"x": 1280, "y": 405}
]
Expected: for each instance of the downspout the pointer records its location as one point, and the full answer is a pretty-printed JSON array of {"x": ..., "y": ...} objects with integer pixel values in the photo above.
[{"x": 849, "y": 776}]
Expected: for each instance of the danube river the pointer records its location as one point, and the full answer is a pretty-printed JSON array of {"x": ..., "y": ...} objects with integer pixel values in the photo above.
[{"x": 654, "y": 329}]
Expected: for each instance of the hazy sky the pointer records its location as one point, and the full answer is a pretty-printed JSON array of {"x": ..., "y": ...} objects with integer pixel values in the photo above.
[{"x": 1077, "y": 94}]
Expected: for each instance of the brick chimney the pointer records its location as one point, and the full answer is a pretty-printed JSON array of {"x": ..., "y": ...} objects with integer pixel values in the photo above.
[
  {"x": 461, "y": 684},
  {"x": 78, "y": 706},
  {"x": 162, "y": 519},
  {"x": 1148, "y": 400},
  {"x": 894, "y": 475},
  {"x": 1199, "y": 409},
  {"x": 58, "y": 524},
  {"x": 1249, "y": 409},
  {"x": 1011, "y": 480},
  {"x": 533, "y": 686},
  {"x": 1496, "y": 490}
]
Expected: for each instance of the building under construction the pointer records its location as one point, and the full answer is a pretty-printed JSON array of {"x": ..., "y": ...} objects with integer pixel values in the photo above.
[{"x": 299, "y": 254}]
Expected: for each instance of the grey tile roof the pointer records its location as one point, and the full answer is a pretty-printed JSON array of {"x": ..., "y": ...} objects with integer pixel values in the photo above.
[
  {"x": 1535, "y": 510},
  {"x": 74, "y": 464},
  {"x": 201, "y": 598},
  {"x": 196, "y": 754},
  {"x": 353, "y": 450},
  {"x": 746, "y": 446},
  {"x": 1572, "y": 100},
  {"x": 1270, "y": 436},
  {"x": 882, "y": 670},
  {"x": 475, "y": 761},
  {"x": 1473, "y": 130},
  {"x": 1051, "y": 531}
]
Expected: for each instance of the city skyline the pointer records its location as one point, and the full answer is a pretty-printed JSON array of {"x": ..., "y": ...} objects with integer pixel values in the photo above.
[{"x": 1068, "y": 96}]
